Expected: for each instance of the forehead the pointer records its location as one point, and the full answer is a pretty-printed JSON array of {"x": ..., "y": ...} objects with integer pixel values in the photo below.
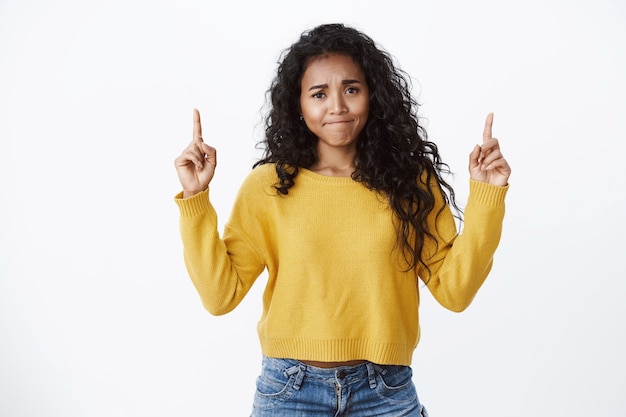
[{"x": 332, "y": 64}]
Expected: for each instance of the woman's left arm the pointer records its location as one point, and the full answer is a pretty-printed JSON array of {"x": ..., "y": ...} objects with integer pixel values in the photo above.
[{"x": 458, "y": 264}]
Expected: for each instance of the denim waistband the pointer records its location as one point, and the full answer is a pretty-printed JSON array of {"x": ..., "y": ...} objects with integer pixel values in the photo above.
[{"x": 345, "y": 374}]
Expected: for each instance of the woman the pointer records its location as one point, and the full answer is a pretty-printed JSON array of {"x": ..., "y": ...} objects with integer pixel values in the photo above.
[{"x": 347, "y": 210}]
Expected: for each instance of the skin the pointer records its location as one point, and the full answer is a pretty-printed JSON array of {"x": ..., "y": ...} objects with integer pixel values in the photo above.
[
  {"x": 486, "y": 163},
  {"x": 196, "y": 165},
  {"x": 334, "y": 104}
]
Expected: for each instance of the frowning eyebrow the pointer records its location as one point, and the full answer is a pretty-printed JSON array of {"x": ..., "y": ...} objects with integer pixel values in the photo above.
[{"x": 344, "y": 82}]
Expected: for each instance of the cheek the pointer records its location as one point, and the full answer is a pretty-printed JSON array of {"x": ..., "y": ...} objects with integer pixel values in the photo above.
[
  {"x": 311, "y": 113},
  {"x": 306, "y": 117},
  {"x": 366, "y": 108},
  {"x": 365, "y": 114}
]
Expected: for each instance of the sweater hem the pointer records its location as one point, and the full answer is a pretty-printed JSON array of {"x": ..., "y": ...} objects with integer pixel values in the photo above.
[{"x": 382, "y": 353}]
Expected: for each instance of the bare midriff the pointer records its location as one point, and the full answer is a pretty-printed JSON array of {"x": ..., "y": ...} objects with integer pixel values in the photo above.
[{"x": 318, "y": 364}]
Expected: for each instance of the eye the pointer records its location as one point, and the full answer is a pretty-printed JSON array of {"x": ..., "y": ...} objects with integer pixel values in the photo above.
[
  {"x": 319, "y": 94},
  {"x": 352, "y": 90}
]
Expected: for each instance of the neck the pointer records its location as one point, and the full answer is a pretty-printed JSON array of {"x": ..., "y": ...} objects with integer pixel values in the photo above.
[
  {"x": 332, "y": 171},
  {"x": 334, "y": 164}
]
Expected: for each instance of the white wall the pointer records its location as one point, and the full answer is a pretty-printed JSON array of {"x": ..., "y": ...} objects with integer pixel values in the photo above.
[{"x": 97, "y": 315}]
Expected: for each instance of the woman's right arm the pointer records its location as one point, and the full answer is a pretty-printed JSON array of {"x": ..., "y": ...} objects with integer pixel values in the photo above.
[
  {"x": 222, "y": 269},
  {"x": 221, "y": 272}
]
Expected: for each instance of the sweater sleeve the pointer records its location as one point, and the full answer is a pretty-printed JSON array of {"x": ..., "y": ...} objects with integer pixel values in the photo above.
[
  {"x": 222, "y": 270},
  {"x": 458, "y": 264}
]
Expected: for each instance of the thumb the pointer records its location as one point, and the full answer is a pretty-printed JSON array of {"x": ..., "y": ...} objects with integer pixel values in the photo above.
[
  {"x": 209, "y": 152},
  {"x": 474, "y": 157}
]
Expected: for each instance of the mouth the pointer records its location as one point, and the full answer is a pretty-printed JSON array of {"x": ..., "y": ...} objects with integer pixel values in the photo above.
[{"x": 339, "y": 122}]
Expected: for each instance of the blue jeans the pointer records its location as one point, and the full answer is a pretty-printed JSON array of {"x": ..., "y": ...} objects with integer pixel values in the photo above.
[{"x": 290, "y": 388}]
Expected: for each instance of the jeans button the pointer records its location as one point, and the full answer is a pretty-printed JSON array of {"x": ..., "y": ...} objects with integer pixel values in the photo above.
[{"x": 341, "y": 375}]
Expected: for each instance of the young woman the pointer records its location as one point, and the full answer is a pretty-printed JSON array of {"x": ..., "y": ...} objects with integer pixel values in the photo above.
[{"x": 346, "y": 211}]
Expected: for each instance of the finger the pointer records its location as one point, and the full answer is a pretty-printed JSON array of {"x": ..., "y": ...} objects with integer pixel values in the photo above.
[
  {"x": 205, "y": 148},
  {"x": 210, "y": 155},
  {"x": 489, "y": 146},
  {"x": 197, "y": 127},
  {"x": 500, "y": 165},
  {"x": 487, "y": 129},
  {"x": 490, "y": 160},
  {"x": 474, "y": 157},
  {"x": 475, "y": 154},
  {"x": 192, "y": 156},
  {"x": 187, "y": 158}
]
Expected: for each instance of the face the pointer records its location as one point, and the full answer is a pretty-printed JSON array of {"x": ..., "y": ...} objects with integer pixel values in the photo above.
[{"x": 334, "y": 100}]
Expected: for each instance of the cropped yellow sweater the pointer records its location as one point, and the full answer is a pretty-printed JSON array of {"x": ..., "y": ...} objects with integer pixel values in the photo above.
[{"x": 337, "y": 288}]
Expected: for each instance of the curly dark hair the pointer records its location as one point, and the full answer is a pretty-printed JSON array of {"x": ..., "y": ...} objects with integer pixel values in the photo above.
[{"x": 393, "y": 155}]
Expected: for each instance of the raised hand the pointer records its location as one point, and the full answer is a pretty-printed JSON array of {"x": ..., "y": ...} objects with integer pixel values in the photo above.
[
  {"x": 196, "y": 165},
  {"x": 486, "y": 162}
]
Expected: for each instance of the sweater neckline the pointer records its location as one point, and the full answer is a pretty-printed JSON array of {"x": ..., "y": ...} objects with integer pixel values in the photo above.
[{"x": 325, "y": 179}]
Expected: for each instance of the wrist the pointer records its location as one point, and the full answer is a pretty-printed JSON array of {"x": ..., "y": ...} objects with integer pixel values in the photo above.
[{"x": 191, "y": 193}]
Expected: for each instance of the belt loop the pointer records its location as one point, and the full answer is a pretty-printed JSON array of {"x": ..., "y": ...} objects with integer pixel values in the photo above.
[
  {"x": 298, "y": 371},
  {"x": 299, "y": 377},
  {"x": 371, "y": 374}
]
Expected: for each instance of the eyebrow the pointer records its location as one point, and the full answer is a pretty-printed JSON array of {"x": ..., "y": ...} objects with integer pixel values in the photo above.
[{"x": 344, "y": 82}]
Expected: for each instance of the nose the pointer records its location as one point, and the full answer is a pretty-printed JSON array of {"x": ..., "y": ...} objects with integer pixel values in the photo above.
[{"x": 337, "y": 104}]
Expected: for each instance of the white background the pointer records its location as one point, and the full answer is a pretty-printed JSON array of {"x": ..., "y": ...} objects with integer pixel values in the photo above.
[{"x": 97, "y": 314}]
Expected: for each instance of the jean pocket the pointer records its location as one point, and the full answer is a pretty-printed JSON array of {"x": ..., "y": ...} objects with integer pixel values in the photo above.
[
  {"x": 395, "y": 384},
  {"x": 275, "y": 385}
]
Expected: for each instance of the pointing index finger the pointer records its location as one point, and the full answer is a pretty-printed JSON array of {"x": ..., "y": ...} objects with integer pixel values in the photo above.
[
  {"x": 488, "y": 125},
  {"x": 197, "y": 127}
]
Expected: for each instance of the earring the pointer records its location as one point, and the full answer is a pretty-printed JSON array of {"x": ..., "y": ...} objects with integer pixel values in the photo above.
[{"x": 301, "y": 118}]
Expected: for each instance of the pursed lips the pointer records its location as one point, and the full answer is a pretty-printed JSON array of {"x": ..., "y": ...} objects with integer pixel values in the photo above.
[{"x": 335, "y": 122}]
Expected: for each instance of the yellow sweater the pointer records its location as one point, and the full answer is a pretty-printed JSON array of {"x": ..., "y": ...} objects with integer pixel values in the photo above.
[{"x": 336, "y": 288}]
